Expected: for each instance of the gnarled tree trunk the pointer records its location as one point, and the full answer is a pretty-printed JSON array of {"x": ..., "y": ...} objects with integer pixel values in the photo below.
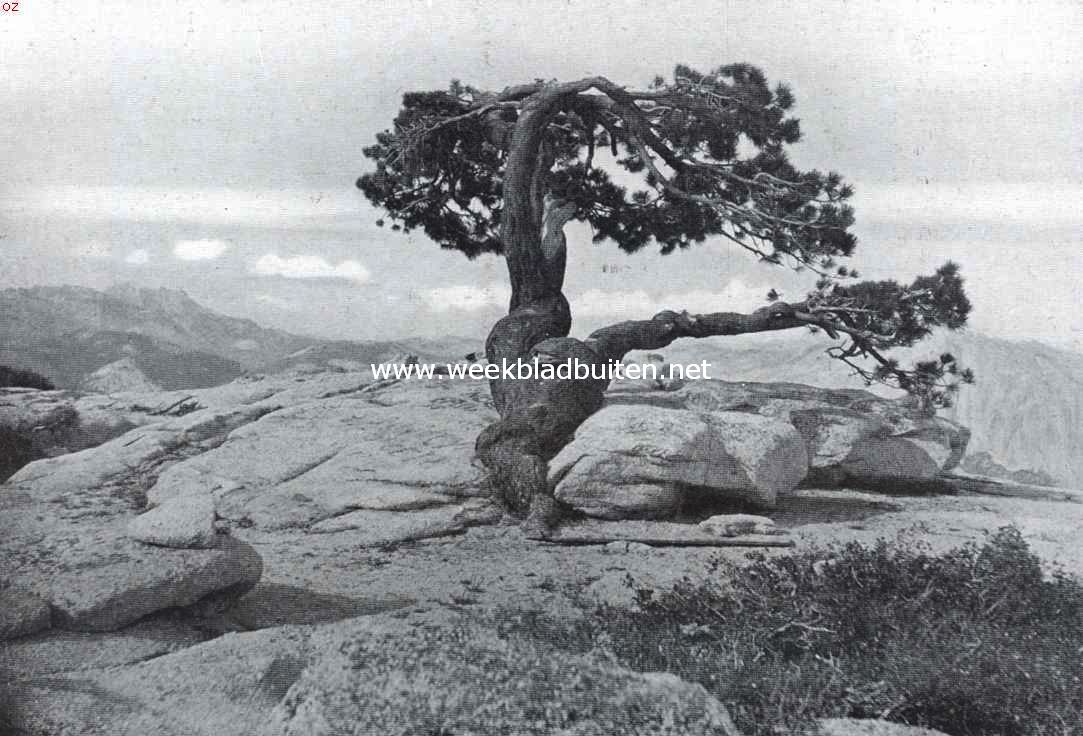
[{"x": 538, "y": 417}]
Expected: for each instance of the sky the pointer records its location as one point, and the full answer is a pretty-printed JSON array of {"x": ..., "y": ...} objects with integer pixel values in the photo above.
[{"x": 213, "y": 147}]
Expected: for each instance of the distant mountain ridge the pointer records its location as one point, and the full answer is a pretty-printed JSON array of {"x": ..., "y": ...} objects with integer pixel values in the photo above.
[
  {"x": 166, "y": 338},
  {"x": 70, "y": 359},
  {"x": 166, "y": 315},
  {"x": 68, "y": 332}
]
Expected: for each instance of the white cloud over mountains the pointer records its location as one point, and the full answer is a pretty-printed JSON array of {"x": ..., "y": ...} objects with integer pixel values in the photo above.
[
  {"x": 298, "y": 207},
  {"x": 466, "y": 298},
  {"x": 309, "y": 267},
  {"x": 137, "y": 257},
  {"x": 1035, "y": 204},
  {"x": 598, "y": 306},
  {"x": 199, "y": 250},
  {"x": 92, "y": 249},
  {"x": 1027, "y": 203},
  {"x": 270, "y": 300},
  {"x": 737, "y": 296}
]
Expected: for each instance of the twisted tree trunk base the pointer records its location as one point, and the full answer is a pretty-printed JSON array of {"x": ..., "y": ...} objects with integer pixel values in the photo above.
[{"x": 539, "y": 416}]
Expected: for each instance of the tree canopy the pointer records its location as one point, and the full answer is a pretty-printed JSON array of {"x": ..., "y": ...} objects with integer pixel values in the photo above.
[
  {"x": 682, "y": 160},
  {"x": 722, "y": 168}
]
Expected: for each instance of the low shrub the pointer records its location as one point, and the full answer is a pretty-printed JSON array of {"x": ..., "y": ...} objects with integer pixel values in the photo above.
[
  {"x": 19, "y": 378},
  {"x": 973, "y": 642}
]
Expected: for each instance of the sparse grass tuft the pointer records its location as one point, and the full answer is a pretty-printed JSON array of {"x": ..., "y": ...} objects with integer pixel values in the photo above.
[{"x": 973, "y": 642}]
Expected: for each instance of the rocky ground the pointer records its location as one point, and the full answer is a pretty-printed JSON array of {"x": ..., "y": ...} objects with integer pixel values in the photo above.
[{"x": 317, "y": 553}]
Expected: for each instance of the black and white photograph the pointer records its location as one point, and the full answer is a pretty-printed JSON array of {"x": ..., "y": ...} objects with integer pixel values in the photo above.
[{"x": 572, "y": 368}]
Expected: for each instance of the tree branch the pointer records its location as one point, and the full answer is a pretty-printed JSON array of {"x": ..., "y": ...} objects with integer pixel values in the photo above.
[{"x": 616, "y": 341}]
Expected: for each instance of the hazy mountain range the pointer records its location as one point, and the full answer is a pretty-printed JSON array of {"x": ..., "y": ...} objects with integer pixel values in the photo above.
[
  {"x": 52, "y": 329},
  {"x": 1025, "y": 410},
  {"x": 79, "y": 337}
]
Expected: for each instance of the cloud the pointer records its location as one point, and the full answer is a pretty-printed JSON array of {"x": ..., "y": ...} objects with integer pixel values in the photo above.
[
  {"x": 610, "y": 302},
  {"x": 138, "y": 257},
  {"x": 93, "y": 249},
  {"x": 466, "y": 298},
  {"x": 199, "y": 250},
  {"x": 341, "y": 209},
  {"x": 618, "y": 303},
  {"x": 737, "y": 296},
  {"x": 1028, "y": 203},
  {"x": 276, "y": 302},
  {"x": 309, "y": 267}
]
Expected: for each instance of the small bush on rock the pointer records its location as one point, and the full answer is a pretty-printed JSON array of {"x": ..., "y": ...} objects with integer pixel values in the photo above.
[
  {"x": 18, "y": 378},
  {"x": 974, "y": 641}
]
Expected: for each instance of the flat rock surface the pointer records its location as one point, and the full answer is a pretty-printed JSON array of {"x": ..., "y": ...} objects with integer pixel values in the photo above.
[
  {"x": 399, "y": 449},
  {"x": 323, "y": 454}
]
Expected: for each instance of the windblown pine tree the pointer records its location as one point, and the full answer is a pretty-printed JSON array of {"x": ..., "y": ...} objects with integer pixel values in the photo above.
[{"x": 483, "y": 172}]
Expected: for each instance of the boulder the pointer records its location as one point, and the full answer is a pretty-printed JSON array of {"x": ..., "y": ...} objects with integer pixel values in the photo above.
[
  {"x": 40, "y": 424},
  {"x": 184, "y": 522},
  {"x": 655, "y": 374},
  {"x": 851, "y": 435},
  {"x": 735, "y": 525},
  {"x": 70, "y": 548},
  {"x": 629, "y": 461},
  {"x": 117, "y": 581},
  {"x": 33, "y": 424}
]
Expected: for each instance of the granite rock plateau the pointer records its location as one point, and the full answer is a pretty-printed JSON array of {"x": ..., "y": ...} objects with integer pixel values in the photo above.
[{"x": 240, "y": 558}]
